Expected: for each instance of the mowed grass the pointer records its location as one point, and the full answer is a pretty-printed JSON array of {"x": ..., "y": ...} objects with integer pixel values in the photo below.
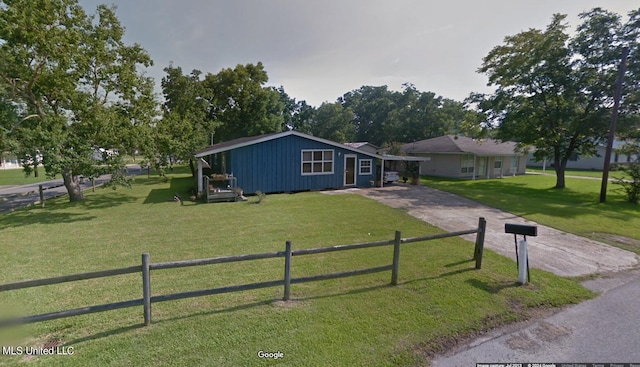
[
  {"x": 17, "y": 177},
  {"x": 440, "y": 299},
  {"x": 575, "y": 209}
]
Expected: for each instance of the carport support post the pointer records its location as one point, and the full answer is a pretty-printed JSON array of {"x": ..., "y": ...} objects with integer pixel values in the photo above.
[
  {"x": 477, "y": 253},
  {"x": 146, "y": 288},
  {"x": 287, "y": 271},
  {"x": 396, "y": 258}
]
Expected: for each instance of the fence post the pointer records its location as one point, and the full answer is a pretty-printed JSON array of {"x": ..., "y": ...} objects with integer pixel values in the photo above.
[
  {"x": 396, "y": 258},
  {"x": 41, "y": 192},
  {"x": 477, "y": 253},
  {"x": 146, "y": 288},
  {"x": 287, "y": 272}
]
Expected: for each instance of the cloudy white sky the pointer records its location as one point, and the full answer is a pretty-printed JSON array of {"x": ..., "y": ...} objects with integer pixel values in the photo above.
[{"x": 319, "y": 50}]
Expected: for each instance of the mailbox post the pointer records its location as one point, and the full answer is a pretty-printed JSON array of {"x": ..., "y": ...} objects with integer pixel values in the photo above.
[{"x": 522, "y": 256}]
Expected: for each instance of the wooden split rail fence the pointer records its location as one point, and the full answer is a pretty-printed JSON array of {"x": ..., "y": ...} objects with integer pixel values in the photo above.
[{"x": 147, "y": 299}]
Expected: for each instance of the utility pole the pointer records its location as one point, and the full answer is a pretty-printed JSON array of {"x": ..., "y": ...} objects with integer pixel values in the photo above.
[{"x": 612, "y": 129}]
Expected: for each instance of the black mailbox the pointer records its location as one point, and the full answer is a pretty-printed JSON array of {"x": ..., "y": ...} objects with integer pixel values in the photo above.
[{"x": 521, "y": 229}]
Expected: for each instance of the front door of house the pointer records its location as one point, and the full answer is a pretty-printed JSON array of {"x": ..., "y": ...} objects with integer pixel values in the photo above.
[{"x": 349, "y": 169}]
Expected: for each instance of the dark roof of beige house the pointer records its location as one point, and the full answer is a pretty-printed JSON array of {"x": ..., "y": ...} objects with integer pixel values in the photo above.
[{"x": 453, "y": 144}]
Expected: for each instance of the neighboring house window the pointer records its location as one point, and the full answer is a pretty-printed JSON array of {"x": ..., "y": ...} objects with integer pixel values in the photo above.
[
  {"x": 497, "y": 164},
  {"x": 365, "y": 166},
  {"x": 574, "y": 158},
  {"x": 466, "y": 164},
  {"x": 317, "y": 162}
]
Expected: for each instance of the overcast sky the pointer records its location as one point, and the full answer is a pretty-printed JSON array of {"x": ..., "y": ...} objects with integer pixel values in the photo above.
[{"x": 319, "y": 50}]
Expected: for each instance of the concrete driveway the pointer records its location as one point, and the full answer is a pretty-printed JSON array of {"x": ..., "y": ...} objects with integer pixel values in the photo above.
[
  {"x": 606, "y": 328},
  {"x": 552, "y": 250}
]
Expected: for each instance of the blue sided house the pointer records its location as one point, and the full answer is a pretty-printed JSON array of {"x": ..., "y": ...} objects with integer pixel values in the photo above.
[{"x": 287, "y": 162}]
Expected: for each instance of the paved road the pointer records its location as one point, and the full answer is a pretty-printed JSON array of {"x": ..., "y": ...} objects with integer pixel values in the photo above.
[
  {"x": 604, "y": 329},
  {"x": 20, "y": 196}
]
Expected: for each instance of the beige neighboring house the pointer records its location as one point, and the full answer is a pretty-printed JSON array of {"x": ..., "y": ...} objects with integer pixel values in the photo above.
[{"x": 462, "y": 157}]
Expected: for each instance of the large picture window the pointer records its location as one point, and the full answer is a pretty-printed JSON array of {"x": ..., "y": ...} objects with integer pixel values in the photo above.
[
  {"x": 317, "y": 162},
  {"x": 466, "y": 164},
  {"x": 365, "y": 167}
]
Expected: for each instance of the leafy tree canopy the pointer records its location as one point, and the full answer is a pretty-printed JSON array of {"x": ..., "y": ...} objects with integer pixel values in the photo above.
[
  {"x": 555, "y": 91},
  {"x": 74, "y": 85}
]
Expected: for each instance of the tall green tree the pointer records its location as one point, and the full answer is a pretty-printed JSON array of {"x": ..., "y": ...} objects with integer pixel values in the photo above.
[
  {"x": 420, "y": 117},
  {"x": 241, "y": 104},
  {"x": 298, "y": 115},
  {"x": 81, "y": 81},
  {"x": 185, "y": 126},
  {"x": 555, "y": 91},
  {"x": 333, "y": 122},
  {"x": 372, "y": 107}
]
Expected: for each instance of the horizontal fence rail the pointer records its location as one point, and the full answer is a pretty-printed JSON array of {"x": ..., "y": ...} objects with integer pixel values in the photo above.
[
  {"x": 69, "y": 278},
  {"x": 146, "y": 267}
]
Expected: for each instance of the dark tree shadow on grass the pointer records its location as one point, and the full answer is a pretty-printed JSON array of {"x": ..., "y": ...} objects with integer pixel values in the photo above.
[
  {"x": 59, "y": 212},
  {"x": 26, "y": 218},
  {"x": 179, "y": 185}
]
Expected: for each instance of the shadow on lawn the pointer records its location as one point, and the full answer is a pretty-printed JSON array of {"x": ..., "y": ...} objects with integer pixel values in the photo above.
[
  {"x": 62, "y": 212},
  {"x": 275, "y": 303},
  {"x": 179, "y": 185},
  {"x": 104, "y": 334},
  {"x": 493, "y": 287}
]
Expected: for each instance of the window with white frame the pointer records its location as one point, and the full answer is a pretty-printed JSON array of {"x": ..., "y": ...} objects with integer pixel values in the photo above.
[
  {"x": 365, "y": 167},
  {"x": 317, "y": 161},
  {"x": 466, "y": 164}
]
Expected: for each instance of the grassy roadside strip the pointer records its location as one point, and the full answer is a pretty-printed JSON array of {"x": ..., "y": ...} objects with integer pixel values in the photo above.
[{"x": 439, "y": 301}]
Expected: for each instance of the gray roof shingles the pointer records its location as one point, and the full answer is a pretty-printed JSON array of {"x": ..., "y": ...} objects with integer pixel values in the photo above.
[{"x": 451, "y": 144}]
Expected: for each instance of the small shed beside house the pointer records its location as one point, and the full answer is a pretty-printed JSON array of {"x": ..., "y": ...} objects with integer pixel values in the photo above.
[
  {"x": 462, "y": 157},
  {"x": 291, "y": 161}
]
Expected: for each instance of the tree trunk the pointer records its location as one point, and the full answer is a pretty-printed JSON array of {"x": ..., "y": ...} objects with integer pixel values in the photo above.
[
  {"x": 72, "y": 183},
  {"x": 560, "y": 168},
  {"x": 192, "y": 167}
]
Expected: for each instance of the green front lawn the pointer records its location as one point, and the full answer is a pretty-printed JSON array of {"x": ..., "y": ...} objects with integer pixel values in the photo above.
[
  {"x": 440, "y": 299},
  {"x": 575, "y": 209}
]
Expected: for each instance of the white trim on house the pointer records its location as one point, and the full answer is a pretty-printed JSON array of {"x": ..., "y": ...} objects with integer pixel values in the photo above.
[
  {"x": 355, "y": 166},
  {"x": 368, "y": 165},
  {"x": 314, "y": 165}
]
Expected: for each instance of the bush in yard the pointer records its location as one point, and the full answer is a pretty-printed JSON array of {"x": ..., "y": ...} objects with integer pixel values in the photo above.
[{"x": 631, "y": 186}]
